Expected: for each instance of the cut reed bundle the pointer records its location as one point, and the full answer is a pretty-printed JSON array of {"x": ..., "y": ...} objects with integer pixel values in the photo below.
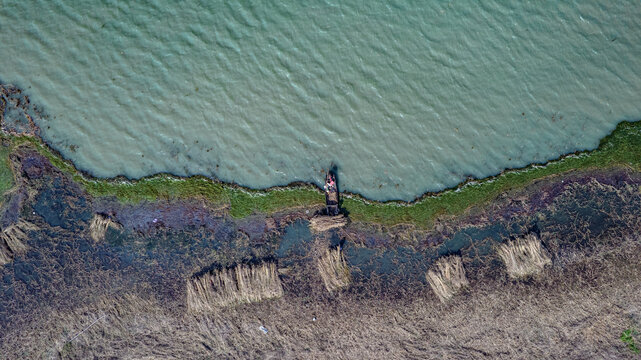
[
  {"x": 237, "y": 285},
  {"x": 524, "y": 257},
  {"x": 99, "y": 225},
  {"x": 334, "y": 270},
  {"x": 324, "y": 223},
  {"x": 12, "y": 240},
  {"x": 447, "y": 277}
]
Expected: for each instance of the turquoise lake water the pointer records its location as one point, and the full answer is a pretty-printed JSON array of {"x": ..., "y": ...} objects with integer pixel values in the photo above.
[{"x": 404, "y": 96}]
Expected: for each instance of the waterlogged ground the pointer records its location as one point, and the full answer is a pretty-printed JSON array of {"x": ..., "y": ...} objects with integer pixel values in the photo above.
[{"x": 162, "y": 244}]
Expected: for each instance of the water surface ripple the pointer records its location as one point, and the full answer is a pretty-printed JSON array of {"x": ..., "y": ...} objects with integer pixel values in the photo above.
[{"x": 404, "y": 96}]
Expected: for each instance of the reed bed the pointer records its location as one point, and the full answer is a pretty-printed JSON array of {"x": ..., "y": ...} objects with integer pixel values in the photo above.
[
  {"x": 447, "y": 277},
  {"x": 99, "y": 225},
  {"x": 233, "y": 286},
  {"x": 12, "y": 240},
  {"x": 524, "y": 257},
  {"x": 334, "y": 270}
]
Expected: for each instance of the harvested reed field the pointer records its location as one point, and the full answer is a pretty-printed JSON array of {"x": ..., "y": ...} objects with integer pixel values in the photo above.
[
  {"x": 524, "y": 257},
  {"x": 447, "y": 277},
  {"x": 334, "y": 270},
  {"x": 241, "y": 284},
  {"x": 574, "y": 312}
]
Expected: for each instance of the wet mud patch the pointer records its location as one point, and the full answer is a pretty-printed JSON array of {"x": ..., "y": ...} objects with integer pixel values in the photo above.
[
  {"x": 146, "y": 217},
  {"x": 63, "y": 204},
  {"x": 295, "y": 240},
  {"x": 589, "y": 211},
  {"x": 401, "y": 265}
]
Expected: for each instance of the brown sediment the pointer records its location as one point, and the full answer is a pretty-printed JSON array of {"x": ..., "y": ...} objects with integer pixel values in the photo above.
[{"x": 13, "y": 97}]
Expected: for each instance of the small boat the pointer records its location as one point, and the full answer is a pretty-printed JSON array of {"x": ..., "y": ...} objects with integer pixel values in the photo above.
[
  {"x": 331, "y": 194},
  {"x": 331, "y": 218}
]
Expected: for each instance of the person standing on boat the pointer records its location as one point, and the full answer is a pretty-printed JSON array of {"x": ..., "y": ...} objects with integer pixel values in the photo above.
[{"x": 329, "y": 185}]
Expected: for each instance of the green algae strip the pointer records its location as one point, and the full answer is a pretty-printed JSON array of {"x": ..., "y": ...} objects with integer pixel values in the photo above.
[
  {"x": 621, "y": 148},
  {"x": 6, "y": 176}
]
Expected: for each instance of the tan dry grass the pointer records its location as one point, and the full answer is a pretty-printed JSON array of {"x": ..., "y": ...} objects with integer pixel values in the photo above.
[
  {"x": 334, "y": 270},
  {"x": 237, "y": 285},
  {"x": 324, "y": 223},
  {"x": 524, "y": 257},
  {"x": 99, "y": 225},
  {"x": 447, "y": 277},
  {"x": 12, "y": 240}
]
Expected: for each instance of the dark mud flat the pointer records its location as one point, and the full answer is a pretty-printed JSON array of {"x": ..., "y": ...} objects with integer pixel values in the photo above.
[{"x": 71, "y": 296}]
